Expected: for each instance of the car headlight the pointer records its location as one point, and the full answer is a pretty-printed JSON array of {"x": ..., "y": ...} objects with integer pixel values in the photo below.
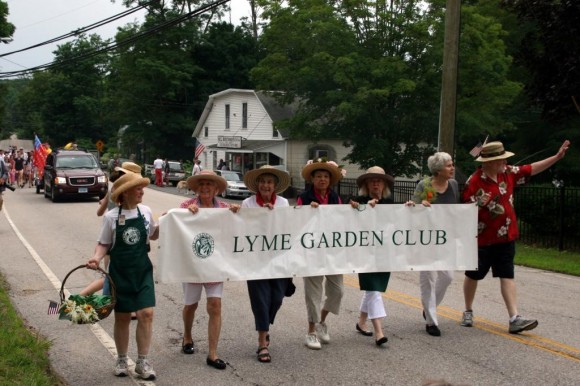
[
  {"x": 60, "y": 180},
  {"x": 102, "y": 179}
]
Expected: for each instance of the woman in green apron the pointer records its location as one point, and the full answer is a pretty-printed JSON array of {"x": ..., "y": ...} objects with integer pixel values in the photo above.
[{"x": 125, "y": 236}]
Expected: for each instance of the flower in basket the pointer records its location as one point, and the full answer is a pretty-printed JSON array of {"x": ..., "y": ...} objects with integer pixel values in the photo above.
[
  {"x": 429, "y": 193},
  {"x": 83, "y": 309}
]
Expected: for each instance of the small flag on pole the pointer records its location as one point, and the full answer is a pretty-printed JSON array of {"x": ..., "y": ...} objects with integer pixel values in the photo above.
[
  {"x": 199, "y": 148},
  {"x": 52, "y": 307},
  {"x": 476, "y": 150}
]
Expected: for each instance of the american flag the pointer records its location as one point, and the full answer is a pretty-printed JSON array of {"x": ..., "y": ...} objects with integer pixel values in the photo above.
[
  {"x": 199, "y": 148},
  {"x": 40, "y": 153},
  {"x": 476, "y": 150},
  {"x": 52, "y": 307}
]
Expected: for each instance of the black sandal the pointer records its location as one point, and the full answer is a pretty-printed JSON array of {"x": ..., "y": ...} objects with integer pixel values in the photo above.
[{"x": 264, "y": 357}]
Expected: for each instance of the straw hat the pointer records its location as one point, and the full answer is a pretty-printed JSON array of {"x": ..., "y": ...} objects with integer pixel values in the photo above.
[
  {"x": 208, "y": 175},
  {"x": 128, "y": 167},
  {"x": 492, "y": 151},
  {"x": 126, "y": 182},
  {"x": 251, "y": 178},
  {"x": 376, "y": 172},
  {"x": 330, "y": 166}
]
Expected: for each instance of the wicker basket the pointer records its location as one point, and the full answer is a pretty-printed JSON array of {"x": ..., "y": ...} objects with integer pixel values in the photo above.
[{"x": 103, "y": 311}]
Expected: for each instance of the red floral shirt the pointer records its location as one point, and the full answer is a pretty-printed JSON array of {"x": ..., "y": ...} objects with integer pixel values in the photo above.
[{"x": 496, "y": 221}]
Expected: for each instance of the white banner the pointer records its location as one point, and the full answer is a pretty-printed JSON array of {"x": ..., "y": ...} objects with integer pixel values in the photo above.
[{"x": 257, "y": 243}]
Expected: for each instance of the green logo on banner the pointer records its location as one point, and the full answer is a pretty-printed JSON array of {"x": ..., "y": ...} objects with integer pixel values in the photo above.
[{"x": 203, "y": 245}]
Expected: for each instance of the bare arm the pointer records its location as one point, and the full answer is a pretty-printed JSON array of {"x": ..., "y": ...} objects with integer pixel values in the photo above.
[
  {"x": 540, "y": 166},
  {"x": 100, "y": 252},
  {"x": 103, "y": 204}
]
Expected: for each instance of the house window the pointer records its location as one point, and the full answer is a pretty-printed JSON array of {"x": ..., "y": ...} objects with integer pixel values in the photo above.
[
  {"x": 244, "y": 115},
  {"x": 227, "y": 117},
  {"x": 205, "y": 131},
  {"x": 321, "y": 154},
  {"x": 274, "y": 132}
]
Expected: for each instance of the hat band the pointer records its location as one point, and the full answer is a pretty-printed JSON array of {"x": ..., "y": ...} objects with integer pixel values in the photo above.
[{"x": 489, "y": 155}]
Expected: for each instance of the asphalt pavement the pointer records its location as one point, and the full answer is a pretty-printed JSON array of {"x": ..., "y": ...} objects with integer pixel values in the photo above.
[{"x": 42, "y": 241}]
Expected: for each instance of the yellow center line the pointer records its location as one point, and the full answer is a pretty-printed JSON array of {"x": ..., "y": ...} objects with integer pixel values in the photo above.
[{"x": 532, "y": 340}]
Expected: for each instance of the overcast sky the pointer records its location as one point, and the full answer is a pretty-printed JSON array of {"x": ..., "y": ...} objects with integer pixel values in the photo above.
[{"x": 37, "y": 21}]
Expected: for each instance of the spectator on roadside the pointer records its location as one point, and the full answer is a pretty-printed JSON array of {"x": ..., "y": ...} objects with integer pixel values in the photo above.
[
  {"x": 322, "y": 175},
  {"x": 491, "y": 188},
  {"x": 158, "y": 165},
  {"x": 375, "y": 187},
  {"x": 166, "y": 170},
  {"x": 196, "y": 167}
]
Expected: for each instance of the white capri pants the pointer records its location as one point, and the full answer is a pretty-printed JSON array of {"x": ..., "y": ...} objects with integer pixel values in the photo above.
[
  {"x": 433, "y": 286},
  {"x": 372, "y": 304},
  {"x": 334, "y": 289},
  {"x": 192, "y": 291}
]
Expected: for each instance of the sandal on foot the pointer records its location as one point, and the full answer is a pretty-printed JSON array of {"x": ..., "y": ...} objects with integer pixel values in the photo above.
[{"x": 264, "y": 355}]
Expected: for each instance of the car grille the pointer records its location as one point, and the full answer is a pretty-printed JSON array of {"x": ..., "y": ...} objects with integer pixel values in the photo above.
[{"x": 82, "y": 181}]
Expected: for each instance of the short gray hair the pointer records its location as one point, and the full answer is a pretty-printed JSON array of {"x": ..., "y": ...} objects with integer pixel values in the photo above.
[{"x": 437, "y": 162}]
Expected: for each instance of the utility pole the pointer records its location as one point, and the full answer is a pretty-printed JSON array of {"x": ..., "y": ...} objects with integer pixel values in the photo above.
[{"x": 448, "y": 105}]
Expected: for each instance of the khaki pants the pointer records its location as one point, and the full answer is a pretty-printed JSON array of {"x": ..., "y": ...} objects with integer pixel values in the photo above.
[{"x": 334, "y": 289}]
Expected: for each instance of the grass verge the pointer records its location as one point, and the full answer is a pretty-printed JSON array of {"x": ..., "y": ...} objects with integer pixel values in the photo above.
[
  {"x": 548, "y": 259},
  {"x": 23, "y": 353}
]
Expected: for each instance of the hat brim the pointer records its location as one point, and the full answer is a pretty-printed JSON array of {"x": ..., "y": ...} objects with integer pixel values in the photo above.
[
  {"x": 120, "y": 169},
  {"x": 251, "y": 179},
  {"x": 389, "y": 180},
  {"x": 335, "y": 174},
  {"x": 505, "y": 155},
  {"x": 221, "y": 183},
  {"x": 140, "y": 181}
]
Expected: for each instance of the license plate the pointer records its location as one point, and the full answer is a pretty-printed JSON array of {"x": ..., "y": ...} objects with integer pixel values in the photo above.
[{"x": 83, "y": 190}]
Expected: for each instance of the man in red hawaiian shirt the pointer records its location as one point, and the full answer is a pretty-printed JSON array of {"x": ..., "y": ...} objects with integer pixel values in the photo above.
[{"x": 491, "y": 189}]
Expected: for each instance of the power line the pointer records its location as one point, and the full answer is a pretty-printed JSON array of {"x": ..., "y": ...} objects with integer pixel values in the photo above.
[
  {"x": 109, "y": 47},
  {"x": 80, "y": 30}
]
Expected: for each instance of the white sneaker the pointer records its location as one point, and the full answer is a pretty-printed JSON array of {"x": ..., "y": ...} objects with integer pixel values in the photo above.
[
  {"x": 144, "y": 369},
  {"x": 121, "y": 367},
  {"x": 312, "y": 342},
  {"x": 322, "y": 331}
]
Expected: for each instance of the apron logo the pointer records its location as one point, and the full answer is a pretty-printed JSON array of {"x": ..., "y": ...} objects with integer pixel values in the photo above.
[
  {"x": 131, "y": 236},
  {"x": 203, "y": 245}
]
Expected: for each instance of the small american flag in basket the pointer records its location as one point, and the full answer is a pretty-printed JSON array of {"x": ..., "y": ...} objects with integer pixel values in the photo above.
[{"x": 52, "y": 307}]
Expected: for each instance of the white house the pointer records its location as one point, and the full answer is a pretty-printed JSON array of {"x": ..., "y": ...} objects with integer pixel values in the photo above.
[{"x": 238, "y": 126}]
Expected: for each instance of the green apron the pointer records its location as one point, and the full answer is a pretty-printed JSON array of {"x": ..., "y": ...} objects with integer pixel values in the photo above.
[{"x": 130, "y": 269}]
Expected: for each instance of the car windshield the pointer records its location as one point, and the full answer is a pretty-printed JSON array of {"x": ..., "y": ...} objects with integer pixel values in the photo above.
[
  {"x": 175, "y": 166},
  {"x": 76, "y": 162},
  {"x": 231, "y": 176}
]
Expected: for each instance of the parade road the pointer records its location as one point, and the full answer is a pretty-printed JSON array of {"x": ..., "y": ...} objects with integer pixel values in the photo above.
[{"x": 42, "y": 241}]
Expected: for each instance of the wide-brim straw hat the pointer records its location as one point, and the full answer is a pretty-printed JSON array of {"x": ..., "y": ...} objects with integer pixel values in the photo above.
[
  {"x": 125, "y": 182},
  {"x": 492, "y": 151},
  {"x": 208, "y": 175},
  {"x": 376, "y": 172},
  {"x": 251, "y": 178},
  {"x": 128, "y": 167},
  {"x": 335, "y": 174}
]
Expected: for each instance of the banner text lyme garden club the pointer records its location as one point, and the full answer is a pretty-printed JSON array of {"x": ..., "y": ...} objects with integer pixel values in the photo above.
[{"x": 343, "y": 239}]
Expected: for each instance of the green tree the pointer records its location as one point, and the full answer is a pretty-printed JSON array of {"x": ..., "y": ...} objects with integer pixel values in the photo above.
[{"x": 6, "y": 28}]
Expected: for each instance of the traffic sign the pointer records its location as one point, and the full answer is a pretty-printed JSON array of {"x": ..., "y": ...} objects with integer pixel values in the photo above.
[{"x": 100, "y": 144}]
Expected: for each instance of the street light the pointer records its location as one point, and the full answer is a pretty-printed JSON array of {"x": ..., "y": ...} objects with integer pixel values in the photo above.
[{"x": 6, "y": 40}]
